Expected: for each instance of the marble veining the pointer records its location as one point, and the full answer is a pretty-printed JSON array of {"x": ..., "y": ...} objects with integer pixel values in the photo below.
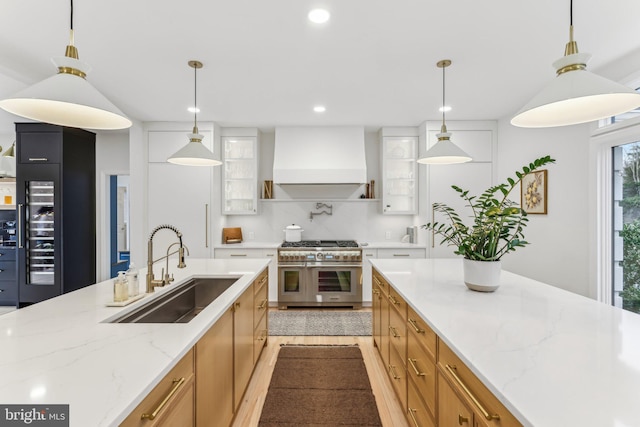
[
  {"x": 554, "y": 358},
  {"x": 62, "y": 351}
]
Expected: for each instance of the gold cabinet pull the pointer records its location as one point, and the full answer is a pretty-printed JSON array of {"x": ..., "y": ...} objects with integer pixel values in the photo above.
[
  {"x": 375, "y": 279},
  {"x": 376, "y": 292},
  {"x": 485, "y": 413},
  {"x": 394, "y": 332},
  {"x": 415, "y": 326},
  {"x": 462, "y": 419},
  {"x": 392, "y": 369},
  {"x": 412, "y": 362},
  {"x": 262, "y": 305},
  {"x": 393, "y": 300},
  {"x": 413, "y": 416},
  {"x": 177, "y": 383}
]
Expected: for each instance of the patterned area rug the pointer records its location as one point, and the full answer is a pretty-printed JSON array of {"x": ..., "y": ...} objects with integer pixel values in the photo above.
[
  {"x": 319, "y": 323},
  {"x": 319, "y": 386}
]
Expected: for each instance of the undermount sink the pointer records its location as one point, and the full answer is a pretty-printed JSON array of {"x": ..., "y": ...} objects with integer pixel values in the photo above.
[{"x": 181, "y": 304}]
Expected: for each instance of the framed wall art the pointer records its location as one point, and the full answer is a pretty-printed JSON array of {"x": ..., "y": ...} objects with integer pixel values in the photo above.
[{"x": 533, "y": 192}]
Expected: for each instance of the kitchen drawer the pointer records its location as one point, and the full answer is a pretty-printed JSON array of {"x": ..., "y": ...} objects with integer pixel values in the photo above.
[
  {"x": 424, "y": 334},
  {"x": 483, "y": 403},
  {"x": 259, "y": 338},
  {"x": 421, "y": 369},
  {"x": 398, "y": 334},
  {"x": 261, "y": 302},
  {"x": 402, "y": 253},
  {"x": 398, "y": 376},
  {"x": 397, "y": 302},
  {"x": 7, "y": 254},
  {"x": 379, "y": 281},
  {"x": 226, "y": 253},
  {"x": 260, "y": 283},
  {"x": 417, "y": 412},
  {"x": 8, "y": 292},
  {"x": 183, "y": 396}
]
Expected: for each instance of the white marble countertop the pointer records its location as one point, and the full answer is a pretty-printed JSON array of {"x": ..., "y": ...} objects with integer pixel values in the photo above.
[
  {"x": 391, "y": 245},
  {"x": 554, "y": 358},
  {"x": 59, "y": 351},
  {"x": 248, "y": 245},
  {"x": 274, "y": 245}
]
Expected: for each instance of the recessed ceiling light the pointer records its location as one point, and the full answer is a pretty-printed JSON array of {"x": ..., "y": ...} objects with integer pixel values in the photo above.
[
  {"x": 193, "y": 109},
  {"x": 319, "y": 109},
  {"x": 319, "y": 16},
  {"x": 445, "y": 109}
]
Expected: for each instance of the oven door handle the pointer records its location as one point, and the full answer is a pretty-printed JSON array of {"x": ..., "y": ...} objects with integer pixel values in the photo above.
[
  {"x": 291, "y": 265},
  {"x": 333, "y": 266}
]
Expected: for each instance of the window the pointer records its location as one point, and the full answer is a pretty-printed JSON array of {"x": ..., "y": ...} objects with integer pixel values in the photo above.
[{"x": 626, "y": 226}]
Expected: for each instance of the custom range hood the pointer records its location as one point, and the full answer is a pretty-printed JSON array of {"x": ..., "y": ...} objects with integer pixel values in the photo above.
[{"x": 319, "y": 155}]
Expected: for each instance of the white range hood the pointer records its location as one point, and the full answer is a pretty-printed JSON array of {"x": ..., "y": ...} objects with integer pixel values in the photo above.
[{"x": 319, "y": 155}]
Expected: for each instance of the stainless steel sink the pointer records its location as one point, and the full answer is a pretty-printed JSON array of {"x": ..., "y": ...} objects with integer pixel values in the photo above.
[{"x": 181, "y": 304}]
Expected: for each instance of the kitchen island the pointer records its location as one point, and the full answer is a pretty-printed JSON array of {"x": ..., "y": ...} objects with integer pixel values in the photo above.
[
  {"x": 551, "y": 357},
  {"x": 64, "y": 351}
]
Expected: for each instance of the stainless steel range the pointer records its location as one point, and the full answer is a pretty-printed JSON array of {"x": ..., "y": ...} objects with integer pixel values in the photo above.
[{"x": 316, "y": 273}]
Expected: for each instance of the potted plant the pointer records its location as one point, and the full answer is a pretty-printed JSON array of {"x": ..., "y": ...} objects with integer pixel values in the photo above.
[{"x": 497, "y": 229}]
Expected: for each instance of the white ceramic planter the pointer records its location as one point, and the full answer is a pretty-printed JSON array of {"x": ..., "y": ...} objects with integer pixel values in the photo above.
[{"x": 482, "y": 276}]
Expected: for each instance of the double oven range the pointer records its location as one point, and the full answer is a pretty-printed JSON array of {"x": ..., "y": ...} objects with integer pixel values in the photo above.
[{"x": 316, "y": 273}]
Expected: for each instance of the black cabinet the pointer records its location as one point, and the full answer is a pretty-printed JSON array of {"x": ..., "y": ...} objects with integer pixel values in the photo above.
[{"x": 56, "y": 218}]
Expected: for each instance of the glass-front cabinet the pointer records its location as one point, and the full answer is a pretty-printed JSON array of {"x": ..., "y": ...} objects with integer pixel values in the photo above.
[
  {"x": 240, "y": 194},
  {"x": 399, "y": 175}
]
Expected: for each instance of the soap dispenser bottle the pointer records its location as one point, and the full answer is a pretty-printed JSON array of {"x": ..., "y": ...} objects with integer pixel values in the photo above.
[
  {"x": 120, "y": 289},
  {"x": 132, "y": 279}
]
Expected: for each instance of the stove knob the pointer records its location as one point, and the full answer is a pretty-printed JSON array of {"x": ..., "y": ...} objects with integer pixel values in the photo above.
[{"x": 319, "y": 256}]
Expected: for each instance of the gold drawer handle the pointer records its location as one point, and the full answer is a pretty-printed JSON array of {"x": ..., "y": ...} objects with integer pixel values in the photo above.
[
  {"x": 376, "y": 292},
  {"x": 462, "y": 419},
  {"x": 177, "y": 383},
  {"x": 412, "y": 362},
  {"x": 392, "y": 369},
  {"x": 394, "y": 332},
  {"x": 264, "y": 279},
  {"x": 413, "y": 417},
  {"x": 393, "y": 300},
  {"x": 375, "y": 279},
  {"x": 415, "y": 326},
  {"x": 485, "y": 413},
  {"x": 262, "y": 305}
]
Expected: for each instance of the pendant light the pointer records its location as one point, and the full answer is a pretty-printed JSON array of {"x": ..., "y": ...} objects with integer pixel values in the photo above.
[
  {"x": 444, "y": 152},
  {"x": 194, "y": 153},
  {"x": 67, "y": 98},
  {"x": 575, "y": 95},
  {"x": 11, "y": 152}
]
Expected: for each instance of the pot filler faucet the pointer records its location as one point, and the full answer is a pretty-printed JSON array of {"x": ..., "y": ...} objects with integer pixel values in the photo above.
[
  {"x": 165, "y": 279},
  {"x": 321, "y": 206}
]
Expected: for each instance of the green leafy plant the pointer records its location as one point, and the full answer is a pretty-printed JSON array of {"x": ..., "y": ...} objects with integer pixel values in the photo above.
[{"x": 498, "y": 223}]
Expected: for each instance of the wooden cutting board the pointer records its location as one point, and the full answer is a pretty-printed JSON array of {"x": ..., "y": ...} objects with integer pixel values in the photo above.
[{"x": 232, "y": 235}]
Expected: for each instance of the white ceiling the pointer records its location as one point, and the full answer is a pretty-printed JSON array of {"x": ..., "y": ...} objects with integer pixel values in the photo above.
[{"x": 266, "y": 65}]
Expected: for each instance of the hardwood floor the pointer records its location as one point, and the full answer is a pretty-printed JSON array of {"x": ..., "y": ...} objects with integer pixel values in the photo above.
[{"x": 389, "y": 408}]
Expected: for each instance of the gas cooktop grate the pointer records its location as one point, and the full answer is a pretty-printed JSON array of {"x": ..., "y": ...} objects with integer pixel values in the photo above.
[{"x": 321, "y": 244}]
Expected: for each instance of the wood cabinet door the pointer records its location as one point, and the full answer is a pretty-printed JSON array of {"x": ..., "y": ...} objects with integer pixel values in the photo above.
[
  {"x": 243, "y": 343},
  {"x": 376, "y": 314},
  {"x": 452, "y": 412},
  {"x": 182, "y": 412},
  {"x": 214, "y": 368}
]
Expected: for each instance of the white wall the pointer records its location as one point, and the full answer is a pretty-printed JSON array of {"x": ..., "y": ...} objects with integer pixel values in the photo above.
[{"x": 558, "y": 253}]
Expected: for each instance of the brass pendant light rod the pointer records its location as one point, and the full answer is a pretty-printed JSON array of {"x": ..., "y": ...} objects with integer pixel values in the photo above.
[
  {"x": 443, "y": 64},
  {"x": 195, "y": 65}
]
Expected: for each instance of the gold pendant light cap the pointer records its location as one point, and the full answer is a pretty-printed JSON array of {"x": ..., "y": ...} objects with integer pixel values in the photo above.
[
  {"x": 195, "y": 64},
  {"x": 576, "y": 61},
  {"x": 443, "y": 63}
]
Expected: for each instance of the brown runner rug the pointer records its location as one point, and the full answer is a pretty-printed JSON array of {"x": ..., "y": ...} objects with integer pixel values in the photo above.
[{"x": 319, "y": 386}]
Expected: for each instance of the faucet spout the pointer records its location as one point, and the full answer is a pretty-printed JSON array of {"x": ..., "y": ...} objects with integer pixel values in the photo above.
[{"x": 165, "y": 279}]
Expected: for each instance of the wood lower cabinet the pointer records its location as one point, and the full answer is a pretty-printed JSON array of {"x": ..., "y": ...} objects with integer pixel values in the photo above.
[
  {"x": 260, "y": 317},
  {"x": 242, "y": 344},
  {"x": 171, "y": 402},
  {"x": 430, "y": 381},
  {"x": 214, "y": 367},
  {"x": 487, "y": 410}
]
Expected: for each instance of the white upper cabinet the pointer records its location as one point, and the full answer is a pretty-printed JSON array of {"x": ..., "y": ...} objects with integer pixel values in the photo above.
[
  {"x": 240, "y": 174},
  {"x": 399, "y": 192}
]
